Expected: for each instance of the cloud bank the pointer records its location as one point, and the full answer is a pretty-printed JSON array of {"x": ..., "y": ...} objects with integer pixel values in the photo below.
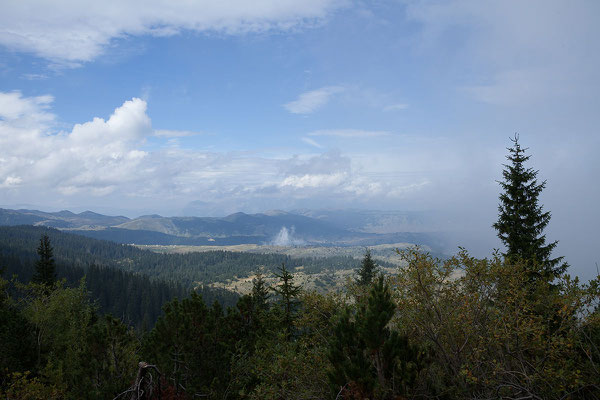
[
  {"x": 96, "y": 156},
  {"x": 81, "y": 30},
  {"x": 109, "y": 159}
]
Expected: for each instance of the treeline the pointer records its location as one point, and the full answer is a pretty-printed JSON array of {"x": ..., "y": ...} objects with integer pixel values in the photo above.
[
  {"x": 133, "y": 297},
  {"x": 187, "y": 270}
]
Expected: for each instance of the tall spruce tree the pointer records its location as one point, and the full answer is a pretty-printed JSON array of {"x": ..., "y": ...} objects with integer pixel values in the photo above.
[
  {"x": 521, "y": 219},
  {"x": 260, "y": 292},
  {"x": 367, "y": 270},
  {"x": 288, "y": 293},
  {"x": 44, "y": 267}
]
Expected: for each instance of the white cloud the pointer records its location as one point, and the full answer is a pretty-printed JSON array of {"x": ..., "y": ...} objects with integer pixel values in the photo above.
[
  {"x": 13, "y": 106},
  {"x": 94, "y": 155},
  {"x": 104, "y": 159},
  {"x": 11, "y": 181},
  {"x": 309, "y": 102},
  {"x": 349, "y": 133},
  {"x": 77, "y": 31},
  {"x": 313, "y": 181}
]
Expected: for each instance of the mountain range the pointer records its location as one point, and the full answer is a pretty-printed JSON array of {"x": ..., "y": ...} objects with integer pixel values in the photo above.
[{"x": 314, "y": 227}]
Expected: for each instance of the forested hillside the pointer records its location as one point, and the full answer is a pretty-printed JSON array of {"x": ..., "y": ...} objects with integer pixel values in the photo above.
[
  {"x": 133, "y": 284},
  {"x": 187, "y": 270},
  {"x": 133, "y": 297}
]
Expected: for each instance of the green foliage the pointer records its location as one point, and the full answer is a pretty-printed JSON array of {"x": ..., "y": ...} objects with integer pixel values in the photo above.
[
  {"x": 17, "y": 345},
  {"x": 288, "y": 297},
  {"x": 452, "y": 329},
  {"x": 254, "y": 314},
  {"x": 351, "y": 370},
  {"x": 367, "y": 271},
  {"x": 75, "y": 351},
  {"x": 521, "y": 220},
  {"x": 135, "y": 297},
  {"x": 112, "y": 353},
  {"x": 368, "y": 359},
  {"x": 285, "y": 369},
  {"x": 23, "y": 386},
  {"x": 260, "y": 292},
  {"x": 494, "y": 337},
  {"x": 188, "y": 270},
  {"x": 54, "y": 346},
  {"x": 44, "y": 267},
  {"x": 280, "y": 368},
  {"x": 192, "y": 345}
]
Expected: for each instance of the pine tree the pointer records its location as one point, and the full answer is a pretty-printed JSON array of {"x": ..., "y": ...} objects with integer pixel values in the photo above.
[
  {"x": 44, "y": 267},
  {"x": 367, "y": 270},
  {"x": 351, "y": 374},
  {"x": 288, "y": 293},
  {"x": 521, "y": 220},
  {"x": 369, "y": 360},
  {"x": 260, "y": 292}
]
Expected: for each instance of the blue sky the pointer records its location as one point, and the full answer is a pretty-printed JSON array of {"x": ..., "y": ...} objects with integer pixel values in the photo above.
[{"x": 214, "y": 107}]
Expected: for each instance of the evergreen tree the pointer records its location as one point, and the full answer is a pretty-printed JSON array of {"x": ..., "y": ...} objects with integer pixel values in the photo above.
[
  {"x": 260, "y": 292},
  {"x": 369, "y": 360},
  {"x": 351, "y": 373},
  {"x": 521, "y": 220},
  {"x": 193, "y": 344},
  {"x": 44, "y": 267},
  {"x": 288, "y": 293},
  {"x": 17, "y": 338},
  {"x": 367, "y": 270}
]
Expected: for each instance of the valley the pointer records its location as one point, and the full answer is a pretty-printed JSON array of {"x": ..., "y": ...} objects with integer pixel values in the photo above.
[{"x": 323, "y": 280}]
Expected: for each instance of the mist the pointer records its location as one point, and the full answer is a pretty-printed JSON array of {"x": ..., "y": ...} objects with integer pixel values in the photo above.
[{"x": 286, "y": 237}]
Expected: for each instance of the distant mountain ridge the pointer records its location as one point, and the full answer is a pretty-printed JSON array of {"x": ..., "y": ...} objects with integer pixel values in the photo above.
[
  {"x": 60, "y": 220},
  {"x": 354, "y": 227}
]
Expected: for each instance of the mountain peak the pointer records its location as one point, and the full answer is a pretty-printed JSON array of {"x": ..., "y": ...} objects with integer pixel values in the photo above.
[
  {"x": 275, "y": 213},
  {"x": 89, "y": 214}
]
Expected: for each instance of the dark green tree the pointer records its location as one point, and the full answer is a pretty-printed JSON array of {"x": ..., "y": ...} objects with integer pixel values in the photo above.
[
  {"x": 17, "y": 339},
  {"x": 369, "y": 360},
  {"x": 260, "y": 292},
  {"x": 288, "y": 297},
  {"x": 367, "y": 270},
  {"x": 521, "y": 219},
  {"x": 351, "y": 373},
  {"x": 253, "y": 310},
  {"x": 192, "y": 345},
  {"x": 44, "y": 267}
]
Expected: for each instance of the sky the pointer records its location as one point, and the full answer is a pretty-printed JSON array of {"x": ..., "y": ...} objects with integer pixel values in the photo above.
[{"x": 213, "y": 107}]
